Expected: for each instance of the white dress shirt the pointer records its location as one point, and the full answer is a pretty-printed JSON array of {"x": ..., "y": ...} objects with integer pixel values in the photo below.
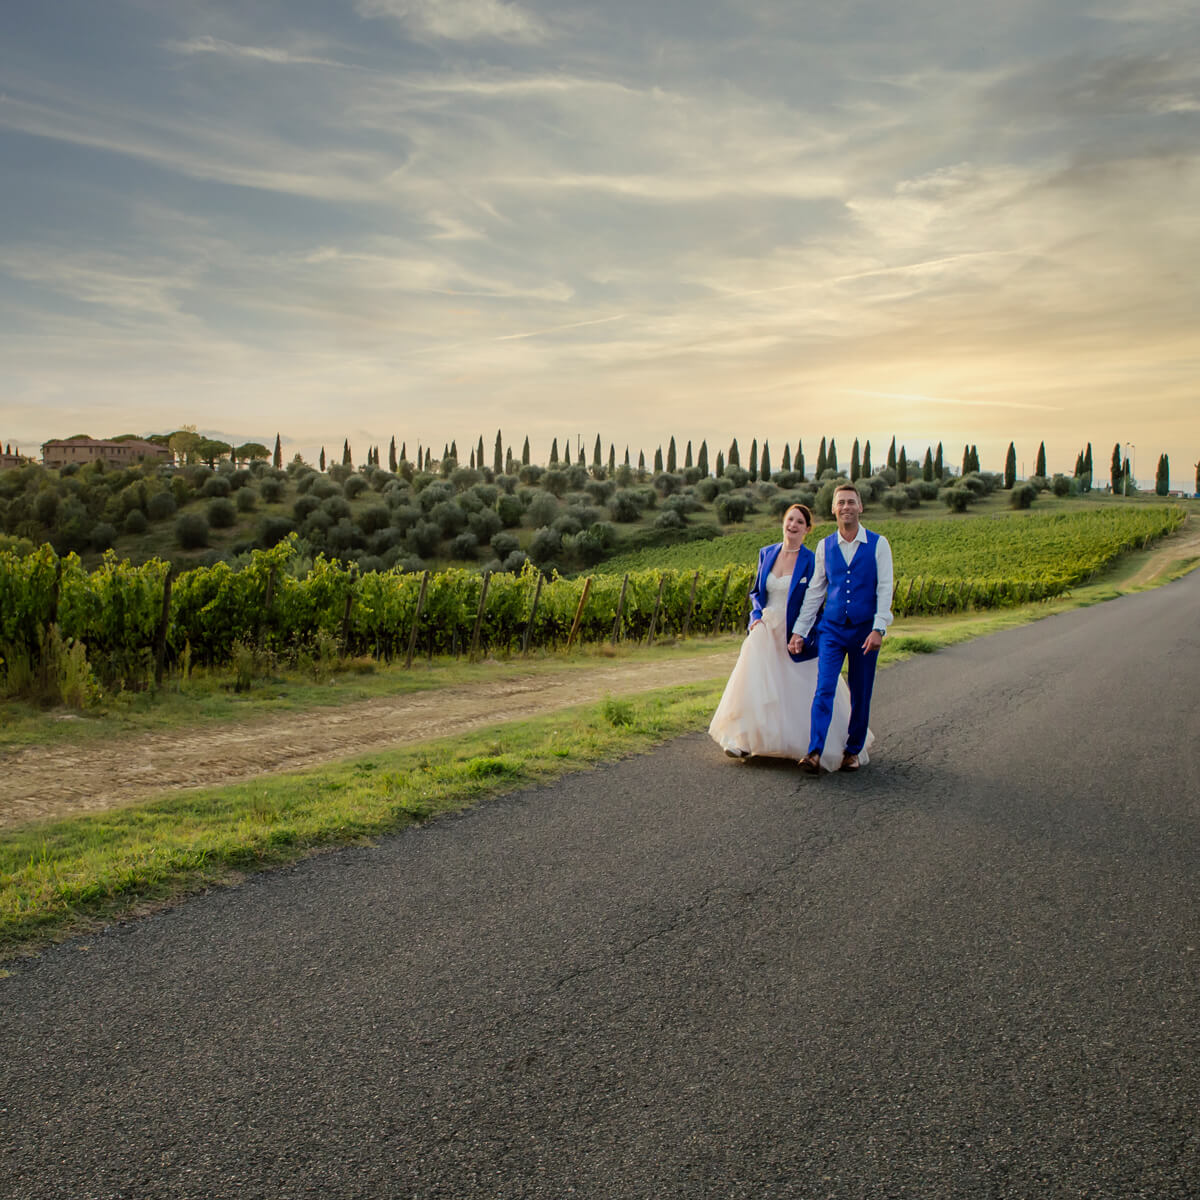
[{"x": 819, "y": 585}]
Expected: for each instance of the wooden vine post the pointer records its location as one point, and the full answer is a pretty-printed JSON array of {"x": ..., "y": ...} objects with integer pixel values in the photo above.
[
  {"x": 620, "y": 609},
  {"x": 587, "y": 587},
  {"x": 687, "y": 621},
  {"x": 412, "y": 637},
  {"x": 487, "y": 577},
  {"x": 662, "y": 579},
  {"x": 537, "y": 595}
]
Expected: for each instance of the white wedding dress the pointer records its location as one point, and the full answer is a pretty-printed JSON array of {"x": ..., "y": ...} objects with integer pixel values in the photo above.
[{"x": 767, "y": 702}]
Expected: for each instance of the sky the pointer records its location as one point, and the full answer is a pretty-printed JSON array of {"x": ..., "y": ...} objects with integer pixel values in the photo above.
[{"x": 949, "y": 221}]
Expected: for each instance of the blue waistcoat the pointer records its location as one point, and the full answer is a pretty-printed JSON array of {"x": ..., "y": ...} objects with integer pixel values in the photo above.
[{"x": 850, "y": 598}]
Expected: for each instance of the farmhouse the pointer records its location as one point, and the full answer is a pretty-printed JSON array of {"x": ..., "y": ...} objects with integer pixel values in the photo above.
[
  {"x": 118, "y": 454},
  {"x": 10, "y": 458}
]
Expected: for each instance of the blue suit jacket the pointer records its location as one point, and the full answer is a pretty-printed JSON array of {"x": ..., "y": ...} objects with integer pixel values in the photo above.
[{"x": 801, "y": 575}]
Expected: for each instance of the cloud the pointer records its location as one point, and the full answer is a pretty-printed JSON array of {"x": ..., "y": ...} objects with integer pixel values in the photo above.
[
  {"x": 460, "y": 20},
  {"x": 269, "y": 54}
]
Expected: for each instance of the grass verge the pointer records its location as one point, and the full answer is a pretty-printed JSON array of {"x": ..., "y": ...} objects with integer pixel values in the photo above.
[{"x": 63, "y": 877}]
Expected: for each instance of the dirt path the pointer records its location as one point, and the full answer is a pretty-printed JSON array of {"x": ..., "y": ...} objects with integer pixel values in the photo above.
[{"x": 43, "y": 781}]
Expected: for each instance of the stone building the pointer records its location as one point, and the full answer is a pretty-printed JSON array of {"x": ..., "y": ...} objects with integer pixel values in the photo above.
[{"x": 117, "y": 454}]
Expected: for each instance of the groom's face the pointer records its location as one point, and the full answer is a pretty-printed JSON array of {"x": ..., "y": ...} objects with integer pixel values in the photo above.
[{"x": 847, "y": 506}]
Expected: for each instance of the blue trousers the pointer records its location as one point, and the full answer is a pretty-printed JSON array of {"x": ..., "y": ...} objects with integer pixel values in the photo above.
[{"x": 838, "y": 644}]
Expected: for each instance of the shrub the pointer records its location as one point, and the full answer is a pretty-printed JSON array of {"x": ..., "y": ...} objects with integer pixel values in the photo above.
[
  {"x": 103, "y": 535},
  {"x": 247, "y": 500},
  {"x": 160, "y": 506},
  {"x": 566, "y": 523},
  {"x": 624, "y": 506},
  {"x": 896, "y": 499},
  {"x": 1022, "y": 496},
  {"x": 515, "y": 562},
  {"x": 669, "y": 519},
  {"x": 271, "y": 490},
  {"x": 220, "y": 513},
  {"x": 554, "y": 481},
  {"x": 545, "y": 545},
  {"x": 1061, "y": 485},
  {"x": 135, "y": 522},
  {"x": 738, "y": 476},
  {"x": 323, "y": 488},
  {"x": 448, "y": 517},
  {"x": 708, "y": 489},
  {"x": 374, "y": 518},
  {"x": 354, "y": 487},
  {"x": 510, "y": 510},
  {"x": 191, "y": 531},
  {"x": 503, "y": 544},
  {"x": 180, "y": 490},
  {"x": 543, "y": 508},
  {"x": 216, "y": 485},
  {"x": 272, "y": 531},
  {"x": 336, "y": 507},
  {"x": 465, "y": 545},
  {"x": 957, "y": 498},
  {"x": 730, "y": 509},
  {"x": 485, "y": 524},
  {"x": 424, "y": 538}
]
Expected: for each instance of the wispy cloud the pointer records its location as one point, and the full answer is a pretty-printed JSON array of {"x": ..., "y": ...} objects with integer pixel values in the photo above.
[
  {"x": 460, "y": 20},
  {"x": 269, "y": 54}
]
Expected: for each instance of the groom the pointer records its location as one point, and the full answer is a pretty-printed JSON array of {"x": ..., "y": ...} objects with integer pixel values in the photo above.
[{"x": 853, "y": 575}]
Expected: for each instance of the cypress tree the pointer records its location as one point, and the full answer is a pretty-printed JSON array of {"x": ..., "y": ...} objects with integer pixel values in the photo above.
[
  {"x": 479, "y": 454},
  {"x": 671, "y": 455},
  {"x": 902, "y": 466},
  {"x": 428, "y": 460},
  {"x": 734, "y": 459},
  {"x": 454, "y": 451},
  {"x": 764, "y": 468},
  {"x": 855, "y": 462},
  {"x": 346, "y": 459},
  {"x": 1087, "y": 468},
  {"x": 1010, "y": 467},
  {"x": 702, "y": 459},
  {"x": 627, "y": 455},
  {"x": 754, "y": 458},
  {"x": 866, "y": 464},
  {"x": 554, "y": 453},
  {"x": 1162, "y": 476},
  {"x": 658, "y": 461},
  {"x": 1115, "y": 472},
  {"x": 498, "y": 459},
  {"x": 392, "y": 461},
  {"x": 831, "y": 463},
  {"x": 687, "y": 455},
  {"x": 1040, "y": 469},
  {"x": 966, "y": 462},
  {"x": 891, "y": 458},
  {"x": 596, "y": 453},
  {"x": 525, "y": 453},
  {"x": 939, "y": 468},
  {"x": 403, "y": 451},
  {"x": 420, "y": 459},
  {"x": 641, "y": 462},
  {"x": 612, "y": 460},
  {"x": 799, "y": 463},
  {"x": 974, "y": 457},
  {"x": 785, "y": 463},
  {"x": 508, "y": 461},
  {"x": 721, "y": 466},
  {"x": 927, "y": 466},
  {"x": 822, "y": 460},
  {"x": 322, "y": 459},
  {"x": 277, "y": 457}
]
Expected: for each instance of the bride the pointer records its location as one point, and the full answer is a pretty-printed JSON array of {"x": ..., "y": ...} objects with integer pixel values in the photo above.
[{"x": 766, "y": 704}]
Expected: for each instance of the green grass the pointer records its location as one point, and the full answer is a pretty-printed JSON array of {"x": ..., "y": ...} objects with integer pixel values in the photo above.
[{"x": 63, "y": 876}]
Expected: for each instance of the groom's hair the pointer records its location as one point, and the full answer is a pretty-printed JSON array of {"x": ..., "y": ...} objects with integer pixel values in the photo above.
[{"x": 846, "y": 487}]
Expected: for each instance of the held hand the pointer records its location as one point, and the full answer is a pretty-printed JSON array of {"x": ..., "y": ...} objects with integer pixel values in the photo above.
[
  {"x": 795, "y": 644},
  {"x": 756, "y": 621},
  {"x": 873, "y": 642}
]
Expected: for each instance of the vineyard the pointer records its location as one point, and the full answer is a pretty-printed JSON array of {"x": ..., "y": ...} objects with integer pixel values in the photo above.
[{"x": 135, "y": 622}]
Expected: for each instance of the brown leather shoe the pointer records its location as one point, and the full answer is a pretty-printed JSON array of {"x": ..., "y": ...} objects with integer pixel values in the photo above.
[
  {"x": 850, "y": 763},
  {"x": 811, "y": 763}
]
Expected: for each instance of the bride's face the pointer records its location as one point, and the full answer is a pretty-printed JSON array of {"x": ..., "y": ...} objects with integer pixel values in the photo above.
[{"x": 795, "y": 527}]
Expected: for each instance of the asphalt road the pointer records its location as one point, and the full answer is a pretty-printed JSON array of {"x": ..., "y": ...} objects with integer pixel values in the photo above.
[{"x": 970, "y": 970}]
